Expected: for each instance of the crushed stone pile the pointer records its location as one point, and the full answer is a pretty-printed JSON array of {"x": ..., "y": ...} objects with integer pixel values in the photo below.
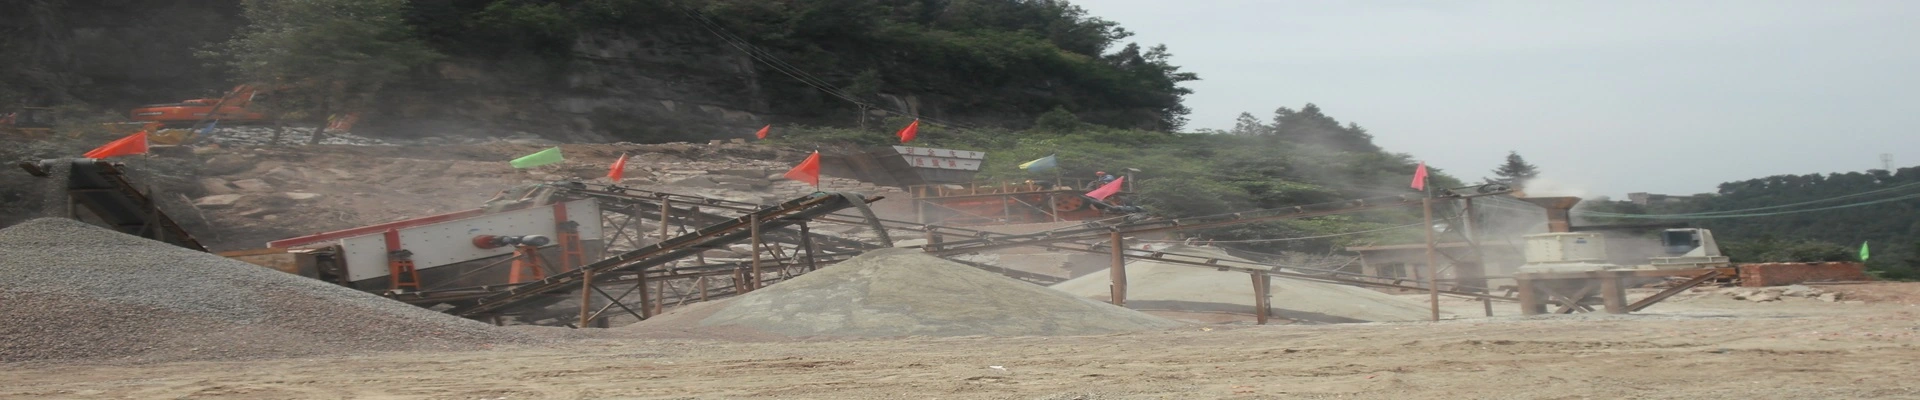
[
  {"x": 73, "y": 291},
  {"x": 1163, "y": 287},
  {"x": 904, "y": 292}
]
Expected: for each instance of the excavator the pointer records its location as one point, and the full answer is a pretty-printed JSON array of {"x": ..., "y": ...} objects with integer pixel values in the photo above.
[
  {"x": 230, "y": 108},
  {"x": 173, "y": 123}
]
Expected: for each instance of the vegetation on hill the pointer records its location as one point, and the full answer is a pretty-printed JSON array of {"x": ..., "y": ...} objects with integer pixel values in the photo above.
[
  {"x": 1756, "y": 220},
  {"x": 1299, "y": 157},
  {"x": 834, "y": 62}
]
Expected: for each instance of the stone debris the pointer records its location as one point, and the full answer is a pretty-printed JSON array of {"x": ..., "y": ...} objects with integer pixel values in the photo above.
[
  {"x": 301, "y": 196},
  {"x": 1778, "y": 293},
  {"x": 291, "y": 136},
  {"x": 74, "y": 291},
  {"x": 253, "y": 185},
  {"x": 218, "y": 201}
]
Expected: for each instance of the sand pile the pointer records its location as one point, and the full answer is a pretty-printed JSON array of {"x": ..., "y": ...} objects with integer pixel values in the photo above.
[
  {"x": 1162, "y": 287},
  {"x": 904, "y": 292},
  {"x": 69, "y": 290}
]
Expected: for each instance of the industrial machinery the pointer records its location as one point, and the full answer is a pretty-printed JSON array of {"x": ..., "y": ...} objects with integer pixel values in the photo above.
[
  {"x": 229, "y": 108},
  {"x": 1011, "y": 203},
  {"x": 1566, "y": 252},
  {"x": 1689, "y": 248},
  {"x": 401, "y": 256}
]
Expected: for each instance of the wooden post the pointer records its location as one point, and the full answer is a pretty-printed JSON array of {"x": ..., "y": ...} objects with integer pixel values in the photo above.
[
  {"x": 753, "y": 282},
  {"x": 1433, "y": 267},
  {"x": 702, "y": 283},
  {"x": 660, "y": 290},
  {"x": 1006, "y": 207},
  {"x": 1613, "y": 293},
  {"x": 933, "y": 237},
  {"x": 1262, "y": 299},
  {"x": 919, "y": 207},
  {"x": 586, "y": 297},
  {"x": 1480, "y": 255},
  {"x": 1118, "y": 272},
  {"x": 666, "y": 209},
  {"x": 806, "y": 242},
  {"x": 646, "y": 300},
  {"x": 1053, "y": 206}
]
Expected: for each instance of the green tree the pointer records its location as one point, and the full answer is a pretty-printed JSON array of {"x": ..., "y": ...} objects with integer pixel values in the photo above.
[
  {"x": 322, "y": 56},
  {"x": 1058, "y": 121},
  {"x": 1516, "y": 171}
]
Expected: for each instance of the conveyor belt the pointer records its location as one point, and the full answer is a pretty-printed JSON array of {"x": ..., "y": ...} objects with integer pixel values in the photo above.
[
  {"x": 102, "y": 188},
  {"x": 716, "y": 236}
]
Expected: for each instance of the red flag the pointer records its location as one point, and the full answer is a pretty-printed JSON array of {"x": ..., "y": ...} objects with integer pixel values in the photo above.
[
  {"x": 913, "y": 129},
  {"x": 762, "y": 134},
  {"x": 619, "y": 169},
  {"x": 130, "y": 145},
  {"x": 1420, "y": 177},
  {"x": 808, "y": 171},
  {"x": 1107, "y": 190}
]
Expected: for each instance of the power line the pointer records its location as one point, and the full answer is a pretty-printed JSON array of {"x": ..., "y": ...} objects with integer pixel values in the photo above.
[
  {"x": 1767, "y": 206},
  {"x": 1684, "y": 216},
  {"x": 1735, "y": 213},
  {"x": 1305, "y": 237}
]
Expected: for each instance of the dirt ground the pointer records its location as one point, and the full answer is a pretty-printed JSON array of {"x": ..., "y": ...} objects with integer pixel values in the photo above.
[{"x": 1696, "y": 346}]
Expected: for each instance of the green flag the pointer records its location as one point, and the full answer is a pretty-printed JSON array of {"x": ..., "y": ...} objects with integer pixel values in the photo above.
[
  {"x": 1041, "y": 165},
  {"x": 544, "y": 157},
  {"x": 1863, "y": 251}
]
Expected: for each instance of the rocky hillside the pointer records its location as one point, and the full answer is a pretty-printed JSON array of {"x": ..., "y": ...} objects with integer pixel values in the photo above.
[
  {"x": 241, "y": 197},
  {"x": 609, "y": 70}
]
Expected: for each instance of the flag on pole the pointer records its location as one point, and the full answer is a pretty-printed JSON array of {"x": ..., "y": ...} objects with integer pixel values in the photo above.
[
  {"x": 1863, "y": 251},
  {"x": 619, "y": 169},
  {"x": 130, "y": 145},
  {"x": 1420, "y": 177},
  {"x": 544, "y": 157},
  {"x": 762, "y": 134},
  {"x": 808, "y": 171},
  {"x": 1041, "y": 165},
  {"x": 1107, "y": 190},
  {"x": 907, "y": 134}
]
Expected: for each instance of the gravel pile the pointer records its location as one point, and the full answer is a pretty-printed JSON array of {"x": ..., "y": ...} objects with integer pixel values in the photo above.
[
  {"x": 72, "y": 291},
  {"x": 904, "y": 292},
  {"x": 1170, "y": 289}
]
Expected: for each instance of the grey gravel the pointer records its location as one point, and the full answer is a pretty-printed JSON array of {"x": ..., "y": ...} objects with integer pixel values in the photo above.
[
  {"x": 73, "y": 291},
  {"x": 905, "y": 292}
]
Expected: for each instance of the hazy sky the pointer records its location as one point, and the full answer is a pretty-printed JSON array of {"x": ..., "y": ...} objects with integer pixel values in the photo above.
[{"x": 1609, "y": 97}]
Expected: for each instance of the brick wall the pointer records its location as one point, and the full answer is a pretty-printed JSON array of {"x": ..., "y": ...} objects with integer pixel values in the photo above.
[{"x": 1776, "y": 274}]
